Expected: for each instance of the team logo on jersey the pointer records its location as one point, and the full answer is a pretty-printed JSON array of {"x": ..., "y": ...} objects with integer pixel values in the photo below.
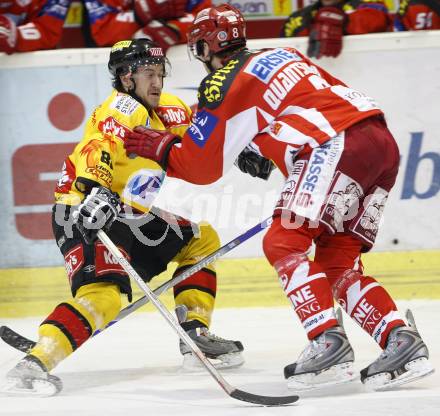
[
  {"x": 203, "y": 125},
  {"x": 95, "y": 156},
  {"x": 266, "y": 64}
]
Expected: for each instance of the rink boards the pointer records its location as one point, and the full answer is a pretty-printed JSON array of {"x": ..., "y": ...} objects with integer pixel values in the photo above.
[{"x": 241, "y": 283}]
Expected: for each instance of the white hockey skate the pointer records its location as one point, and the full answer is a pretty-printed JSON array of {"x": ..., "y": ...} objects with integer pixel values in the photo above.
[
  {"x": 327, "y": 361},
  {"x": 223, "y": 353},
  {"x": 30, "y": 378},
  {"x": 405, "y": 359}
]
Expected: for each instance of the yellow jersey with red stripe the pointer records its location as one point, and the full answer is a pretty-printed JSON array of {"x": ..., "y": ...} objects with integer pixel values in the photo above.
[{"x": 100, "y": 156}]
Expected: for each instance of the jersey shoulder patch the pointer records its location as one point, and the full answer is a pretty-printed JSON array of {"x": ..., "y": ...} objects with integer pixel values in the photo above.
[
  {"x": 215, "y": 86},
  {"x": 125, "y": 104}
]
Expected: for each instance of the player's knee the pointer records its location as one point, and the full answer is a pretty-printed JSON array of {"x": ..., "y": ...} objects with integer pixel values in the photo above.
[
  {"x": 102, "y": 301},
  {"x": 343, "y": 282},
  {"x": 280, "y": 242},
  {"x": 275, "y": 245},
  {"x": 209, "y": 239}
]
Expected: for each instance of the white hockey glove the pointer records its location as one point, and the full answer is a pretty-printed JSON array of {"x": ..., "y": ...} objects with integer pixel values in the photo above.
[
  {"x": 248, "y": 161},
  {"x": 98, "y": 210}
]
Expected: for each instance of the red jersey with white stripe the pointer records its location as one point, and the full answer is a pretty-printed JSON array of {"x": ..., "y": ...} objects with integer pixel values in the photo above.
[
  {"x": 276, "y": 98},
  {"x": 39, "y": 22}
]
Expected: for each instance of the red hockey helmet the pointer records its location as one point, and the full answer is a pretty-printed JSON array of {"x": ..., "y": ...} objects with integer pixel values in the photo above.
[{"x": 221, "y": 27}]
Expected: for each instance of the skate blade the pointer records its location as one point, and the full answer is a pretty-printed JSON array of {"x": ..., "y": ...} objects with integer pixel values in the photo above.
[
  {"x": 333, "y": 376},
  {"x": 415, "y": 370},
  {"x": 226, "y": 361},
  {"x": 33, "y": 388}
]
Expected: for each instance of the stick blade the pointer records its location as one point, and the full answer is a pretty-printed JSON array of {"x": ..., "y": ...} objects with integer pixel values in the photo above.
[
  {"x": 263, "y": 400},
  {"x": 16, "y": 340}
]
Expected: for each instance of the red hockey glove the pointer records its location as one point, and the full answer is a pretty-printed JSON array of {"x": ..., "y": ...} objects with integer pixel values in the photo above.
[
  {"x": 327, "y": 31},
  {"x": 151, "y": 144},
  {"x": 159, "y": 33},
  {"x": 8, "y": 34},
  {"x": 147, "y": 10}
]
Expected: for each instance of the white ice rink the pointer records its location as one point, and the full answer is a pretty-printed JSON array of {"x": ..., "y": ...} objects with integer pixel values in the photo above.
[{"x": 133, "y": 369}]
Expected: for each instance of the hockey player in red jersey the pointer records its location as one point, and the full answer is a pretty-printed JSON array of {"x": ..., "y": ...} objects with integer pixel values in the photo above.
[
  {"x": 339, "y": 160},
  {"x": 31, "y": 25},
  {"x": 163, "y": 21},
  {"x": 418, "y": 15},
  {"x": 101, "y": 187},
  {"x": 327, "y": 21}
]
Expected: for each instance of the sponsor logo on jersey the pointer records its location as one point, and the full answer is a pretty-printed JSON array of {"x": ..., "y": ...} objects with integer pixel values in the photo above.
[
  {"x": 366, "y": 226},
  {"x": 105, "y": 262},
  {"x": 203, "y": 125},
  {"x": 343, "y": 201},
  {"x": 314, "y": 184},
  {"x": 215, "y": 86},
  {"x": 124, "y": 104},
  {"x": 173, "y": 116},
  {"x": 67, "y": 177},
  {"x": 265, "y": 65},
  {"x": 285, "y": 80},
  {"x": 110, "y": 125},
  {"x": 143, "y": 186},
  {"x": 73, "y": 260}
]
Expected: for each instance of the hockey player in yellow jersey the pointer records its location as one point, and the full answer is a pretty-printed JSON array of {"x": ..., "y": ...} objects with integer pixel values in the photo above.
[{"x": 102, "y": 187}]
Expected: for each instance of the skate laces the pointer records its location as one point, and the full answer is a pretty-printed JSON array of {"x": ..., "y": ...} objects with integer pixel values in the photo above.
[
  {"x": 392, "y": 344},
  {"x": 314, "y": 348},
  {"x": 211, "y": 336}
]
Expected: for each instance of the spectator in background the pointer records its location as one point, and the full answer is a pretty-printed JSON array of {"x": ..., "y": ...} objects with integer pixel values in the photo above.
[
  {"x": 162, "y": 21},
  {"x": 30, "y": 25},
  {"x": 327, "y": 21},
  {"x": 418, "y": 15}
]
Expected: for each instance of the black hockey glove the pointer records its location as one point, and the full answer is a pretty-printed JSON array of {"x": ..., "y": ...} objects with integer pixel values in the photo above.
[
  {"x": 97, "y": 211},
  {"x": 255, "y": 165}
]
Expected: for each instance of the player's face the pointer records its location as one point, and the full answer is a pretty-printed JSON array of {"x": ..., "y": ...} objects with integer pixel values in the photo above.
[{"x": 149, "y": 83}]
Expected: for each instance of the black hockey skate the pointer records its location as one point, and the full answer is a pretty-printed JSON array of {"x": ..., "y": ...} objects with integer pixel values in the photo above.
[
  {"x": 326, "y": 361},
  {"x": 405, "y": 359},
  {"x": 222, "y": 352},
  {"x": 30, "y": 378}
]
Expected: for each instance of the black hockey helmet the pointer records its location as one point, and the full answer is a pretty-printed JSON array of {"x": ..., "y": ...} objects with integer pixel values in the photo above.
[{"x": 127, "y": 55}]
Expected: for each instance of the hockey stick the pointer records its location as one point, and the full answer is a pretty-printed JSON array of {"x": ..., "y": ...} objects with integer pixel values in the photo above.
[
  {"x": 24, "y": 344},
  {"x": 230, "y": 390}
]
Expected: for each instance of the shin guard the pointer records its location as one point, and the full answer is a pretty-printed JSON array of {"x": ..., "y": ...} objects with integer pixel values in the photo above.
[
  {"x": 368, "y": 304},
  {"x": 306, "y": 286}
]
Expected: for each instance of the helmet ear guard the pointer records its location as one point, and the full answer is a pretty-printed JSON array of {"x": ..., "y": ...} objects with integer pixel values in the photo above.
[{"x": 199, "y": 48}]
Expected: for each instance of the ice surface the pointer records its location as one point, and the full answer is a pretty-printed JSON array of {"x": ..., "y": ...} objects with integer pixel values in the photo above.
[{"x": 133, "y": 369}]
